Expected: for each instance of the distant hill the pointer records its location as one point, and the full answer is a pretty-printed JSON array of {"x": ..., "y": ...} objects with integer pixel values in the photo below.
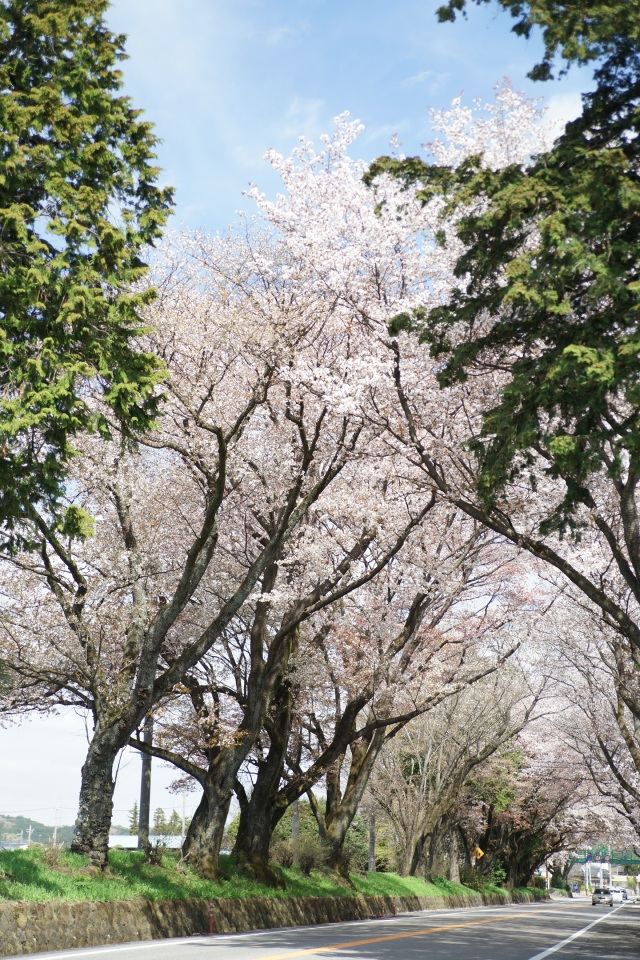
[{"x": 17, "y": 828}]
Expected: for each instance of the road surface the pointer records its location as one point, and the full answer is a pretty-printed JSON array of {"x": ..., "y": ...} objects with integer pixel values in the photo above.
[{"x": 565, "y": 930}]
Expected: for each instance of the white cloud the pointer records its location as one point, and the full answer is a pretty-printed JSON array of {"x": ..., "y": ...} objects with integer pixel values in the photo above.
[
  {"x": 418, "y": 78},
  {"x": 279, "y": 35},
  {"x": 304, "y": 118},
  {"x": 248, "y": 156},
  {"x": 430, "y": 80},
  {"x": 560, "y": 108}
]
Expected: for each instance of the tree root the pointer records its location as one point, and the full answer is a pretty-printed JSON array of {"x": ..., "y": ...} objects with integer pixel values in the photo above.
[{"x": 262, "y": 871}]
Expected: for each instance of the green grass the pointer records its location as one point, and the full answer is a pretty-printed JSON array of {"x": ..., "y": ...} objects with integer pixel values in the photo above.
[
  {"x": 447, "y": 887},
  {"x": 490, "y": 888},
  {"x": 391, "y": 885},
  {"x": 37, "y": 874}
]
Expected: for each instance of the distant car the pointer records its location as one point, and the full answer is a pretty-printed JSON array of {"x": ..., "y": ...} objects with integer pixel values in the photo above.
[
  {"x": 617, "y": 896},
  {"x": 601, "y": 895}
]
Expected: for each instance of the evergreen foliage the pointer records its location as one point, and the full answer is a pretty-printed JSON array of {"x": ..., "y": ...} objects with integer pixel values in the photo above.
[
  {"x": 134, "y": 820},
  {"x": 79, "y": 201},
  {"x": 160, "y": 825},
  {"x": 174, "y": 824},
  {"x": 549, "y": 291},
  {"x": 163, "y": 827},
  {"x": 580, "y": 30}
]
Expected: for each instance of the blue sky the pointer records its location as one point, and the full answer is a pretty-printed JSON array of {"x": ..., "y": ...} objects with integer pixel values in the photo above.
[{"x": 223, "y": 81}]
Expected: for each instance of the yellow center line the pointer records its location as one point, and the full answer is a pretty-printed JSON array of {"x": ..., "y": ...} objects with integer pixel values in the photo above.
[{"x": 310, "y": 951}]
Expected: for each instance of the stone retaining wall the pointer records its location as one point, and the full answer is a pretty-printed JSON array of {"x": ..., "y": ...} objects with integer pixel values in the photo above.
[{"x": 58, "y": 925}]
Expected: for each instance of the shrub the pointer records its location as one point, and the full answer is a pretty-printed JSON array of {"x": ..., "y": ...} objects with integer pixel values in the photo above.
[
  {"x": 470, "y": 877},
  {"x": 473, "y": 878},
  {"x": 282, "y": 852},
  {"x": 309, "y": 852},
  {"x": 356, "y": 845},
  {"x": 155, "y": 852},
  {"x": 51, "y": 855}
]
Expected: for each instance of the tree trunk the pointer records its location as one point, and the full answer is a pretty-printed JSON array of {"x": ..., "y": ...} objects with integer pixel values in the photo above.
[
  {"x": 371, "y": 864},
  {"x": 204, "y": 839},
  {"x": 454, "y": 866},
  {"x": 466, "y": 845},
  {"x": 336, "y": 834},
  {"x": 198, "y": 822},
  {"x": 338, "y": 820},
  {"x": 261, "y": 814},
  {"x": 431, "y": 853},
  {"x": 415, "y": 858},
  {"x": 95, "y": 805},
  {"x": 255, "y": 831},
  {"x": 144, "y": 817}
]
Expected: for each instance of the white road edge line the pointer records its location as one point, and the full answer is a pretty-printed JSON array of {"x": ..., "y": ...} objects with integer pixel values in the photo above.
[
  {"x": 574, "y": 936},
  {"x": 112, "y": 948},
  {"x": 107, "y": 948}
]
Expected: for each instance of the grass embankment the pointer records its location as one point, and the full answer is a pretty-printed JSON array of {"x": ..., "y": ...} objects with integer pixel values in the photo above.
[{"x": 38, "y": 875}]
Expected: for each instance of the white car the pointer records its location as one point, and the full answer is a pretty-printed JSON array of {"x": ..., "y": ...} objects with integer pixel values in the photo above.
[
  {"x": 601, "y": 895},
  {"x": 616, "y": 896}
]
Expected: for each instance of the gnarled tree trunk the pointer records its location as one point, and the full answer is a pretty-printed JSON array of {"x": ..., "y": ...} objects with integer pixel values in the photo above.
[
  {"x": 95, "y": 805},
  {"x": 341, "y": 809},
  {"x": 198, "y": 823},
  {"x": 260, "y": 814},
  {"x": 204, "y": 837}
]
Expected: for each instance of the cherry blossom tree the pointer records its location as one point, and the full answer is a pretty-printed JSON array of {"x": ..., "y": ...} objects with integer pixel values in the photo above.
[
  {"x": 573, "y": 512},
  {"x": 299, "y": 447},
  {"x": 261, "y": 416},
  {"x": 601, "y": 681},
  {"x": 552, "y": 420},
  {"x": 359, "y": 262},
  {"x": 358, "y": 670},
  {"x": 527, "y": 806},
  {"x": 391, "y": 652},
  {"x": 424, "y": 771},
  {"x": 209, "y": 728}
]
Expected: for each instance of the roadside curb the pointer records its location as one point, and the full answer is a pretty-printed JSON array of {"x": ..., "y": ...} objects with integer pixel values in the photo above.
[{"x": 62, "y": 924}]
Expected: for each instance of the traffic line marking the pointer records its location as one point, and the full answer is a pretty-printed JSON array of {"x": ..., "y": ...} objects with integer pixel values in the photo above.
[
  {"x": 574, "y": 936},
  {"x": 310, "y": 951},
  {"x": 210, "y": 941}
]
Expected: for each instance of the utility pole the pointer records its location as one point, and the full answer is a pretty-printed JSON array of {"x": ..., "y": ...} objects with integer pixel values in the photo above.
[
  {"x": 145, "y": 787},
  {"x": 372, "y": 843}
]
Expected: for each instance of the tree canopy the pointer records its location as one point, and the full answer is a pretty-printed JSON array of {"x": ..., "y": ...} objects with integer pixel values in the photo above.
[
  {"x": 580, "y": 30},
  {"x": 295, "y": 564},
  {"x": 548, "y": 278},
  {"x": 79, "y": 200}
]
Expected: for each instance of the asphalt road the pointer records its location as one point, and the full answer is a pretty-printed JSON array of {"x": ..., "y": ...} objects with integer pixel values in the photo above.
[{"x": 568, "y": 930}]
